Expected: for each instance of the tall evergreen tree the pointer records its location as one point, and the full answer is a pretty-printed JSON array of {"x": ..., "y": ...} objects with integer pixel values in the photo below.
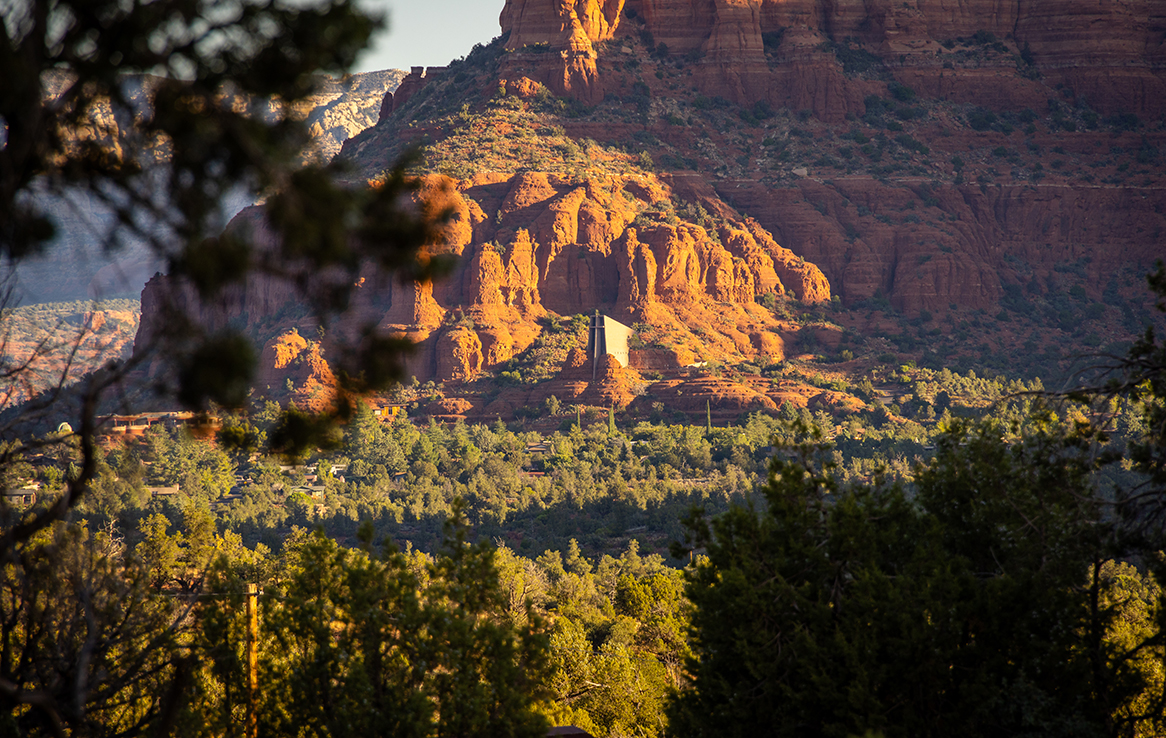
[{"x": 974, "y": 609}]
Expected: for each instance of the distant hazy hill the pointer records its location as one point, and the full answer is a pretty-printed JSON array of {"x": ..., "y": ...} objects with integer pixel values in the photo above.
[
  {"x": 61, "y": 342},
  {"x": 76, "y": 268}
]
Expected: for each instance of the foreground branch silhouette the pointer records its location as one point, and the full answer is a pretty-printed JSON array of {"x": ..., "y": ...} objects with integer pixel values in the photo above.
[{"x": 153, "y": 109}]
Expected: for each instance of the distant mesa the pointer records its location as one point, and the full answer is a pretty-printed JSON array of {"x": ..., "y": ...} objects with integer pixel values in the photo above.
[
  {"x": 80, "y": 265},
  {"x": 756, "y": 175}
]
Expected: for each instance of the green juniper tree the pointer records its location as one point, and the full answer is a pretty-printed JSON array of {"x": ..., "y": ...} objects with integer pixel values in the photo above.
[
  {"x": 993, "y": 597},
  {"x": 360, "y": 643},
  {"x": 968, "y": 610}
]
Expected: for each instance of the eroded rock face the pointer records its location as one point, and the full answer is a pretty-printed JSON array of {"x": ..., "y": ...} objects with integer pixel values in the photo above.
[
  {"x": 604, "y": 384},
  {"x": 459, "y": 355},
  {"x": 554, "y": 244},
  {"x": 659, "y": 359},
  {"x": 78, "y": 265},
  {"x": 568, "y": 247},
  {"x": 282, "y": 351},
  {"x": 1112, "y": 54},
  {"x": 293, "y": 369},
  {"x": 449, "y": 407},
  {"x": 409, "y": 85},
  {"x": 342, "y": 108},
  {"x": 62, "y": 350},
  {"x": 564, "y": 31}
]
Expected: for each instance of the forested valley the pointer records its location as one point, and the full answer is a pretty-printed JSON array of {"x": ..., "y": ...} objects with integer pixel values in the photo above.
[{"x": 992, "y": 563}]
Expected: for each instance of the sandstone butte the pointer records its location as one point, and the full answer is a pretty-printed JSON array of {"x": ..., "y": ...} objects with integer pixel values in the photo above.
[
  {"x": 1110, "y": 53},
  {"x": 535, "y": 242},
  {"x": 1107, "y": 58},
  {"x": 552, "y": 245},
  {"x": 1110, "y": 57}
]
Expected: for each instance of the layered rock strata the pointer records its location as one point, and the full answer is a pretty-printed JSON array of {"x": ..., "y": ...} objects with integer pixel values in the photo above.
[
  {"x": 555, "y": 245},
  {"x": 567, "y": 247},
  {"x": 783, "y": 52},
  {"x": 965, "y": 248}
]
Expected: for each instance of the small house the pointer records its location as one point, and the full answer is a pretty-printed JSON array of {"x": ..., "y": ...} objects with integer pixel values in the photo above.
[{"x": 23, "y": 497}]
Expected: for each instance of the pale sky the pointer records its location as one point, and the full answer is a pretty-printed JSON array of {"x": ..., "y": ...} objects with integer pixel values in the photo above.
[{"x": 428, "y": 33}]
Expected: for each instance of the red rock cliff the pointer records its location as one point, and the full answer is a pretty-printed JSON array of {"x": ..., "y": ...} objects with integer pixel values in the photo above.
[
  {"x": 1110, "y": 53},
  {"x": 560, "y": 245}
]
